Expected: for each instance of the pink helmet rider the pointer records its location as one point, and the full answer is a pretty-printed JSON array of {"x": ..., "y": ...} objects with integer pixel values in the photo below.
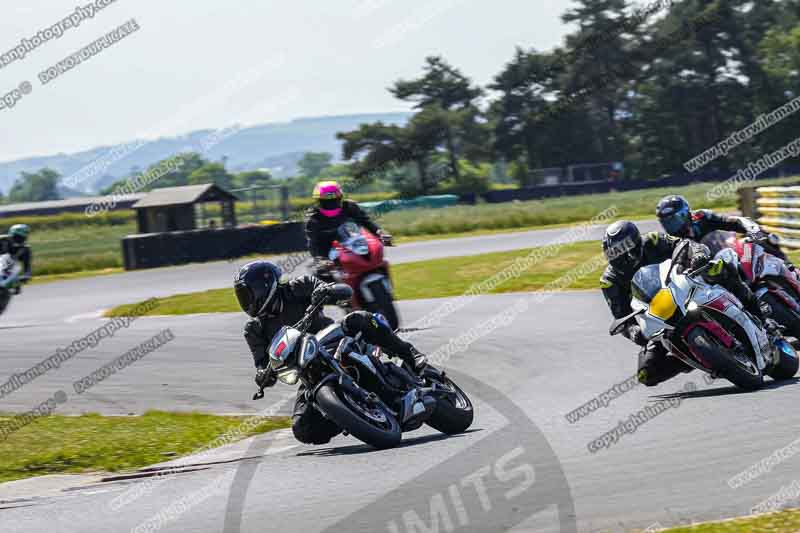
[{"x": 328, "y": 195}]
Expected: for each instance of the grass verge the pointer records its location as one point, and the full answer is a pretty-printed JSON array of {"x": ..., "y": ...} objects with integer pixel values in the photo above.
[
  {"x": 425, "y": 279},
  {"x": 73, "y": 444},
  {"x": 782, "y": 522}
]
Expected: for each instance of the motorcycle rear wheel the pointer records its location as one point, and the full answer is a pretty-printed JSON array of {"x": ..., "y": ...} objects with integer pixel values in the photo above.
[
  {"x": 786, "y": 368},
  {"x": 373, "y": 425},
  {"x": 451, "y": 418}
]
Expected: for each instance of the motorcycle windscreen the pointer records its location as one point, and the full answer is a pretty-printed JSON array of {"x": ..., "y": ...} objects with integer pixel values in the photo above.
[
  {"x": 646, "y": 283},
  {"x": 350, "y": 236},
  {"x": 348, "y": 230},
  {"x": 719, "y": 240}
]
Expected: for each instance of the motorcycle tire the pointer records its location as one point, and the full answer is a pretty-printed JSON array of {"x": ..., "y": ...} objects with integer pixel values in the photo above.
[
  {"x": 724, "y": 362},
  {"x": 5, "y": 299},
  {"x": 451, "y": 418},
  {"x": 339, "y": 407},
  {"x": 783, "y": 315},
  {"x": 786, "y": 368}
]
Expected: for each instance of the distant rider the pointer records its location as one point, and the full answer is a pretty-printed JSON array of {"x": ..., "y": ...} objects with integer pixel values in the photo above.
[
  {"x": 678, "y": 220},
  {"x": 273, "y": 304},
  {"x": 627, "y": 251},
  {"x": 331, "y": 212},
  {"x": 15, "y": 244}
]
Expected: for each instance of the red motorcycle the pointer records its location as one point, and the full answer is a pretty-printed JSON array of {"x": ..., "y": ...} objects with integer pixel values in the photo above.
[
  {"x": 356, "y": 258},
  {"x": 763, "y": 267}
]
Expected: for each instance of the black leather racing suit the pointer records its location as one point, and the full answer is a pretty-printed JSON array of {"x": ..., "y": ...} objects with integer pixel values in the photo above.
[
  {"x": 308, "y": 425},
  {"x": 704, "y": 221},
  {"x": 654, "y": 365},
  {"x": 321, "y": 230}
]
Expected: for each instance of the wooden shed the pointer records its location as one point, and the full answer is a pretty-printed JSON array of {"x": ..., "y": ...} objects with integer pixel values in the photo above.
[{"x": 174, "y": 208}]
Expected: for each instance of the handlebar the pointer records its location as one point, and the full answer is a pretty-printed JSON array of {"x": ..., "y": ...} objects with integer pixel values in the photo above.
[{"x": 697, "y": 271}]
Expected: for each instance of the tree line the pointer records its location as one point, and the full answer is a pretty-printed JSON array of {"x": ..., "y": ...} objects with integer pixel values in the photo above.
[{"x": 649, "y": 86}]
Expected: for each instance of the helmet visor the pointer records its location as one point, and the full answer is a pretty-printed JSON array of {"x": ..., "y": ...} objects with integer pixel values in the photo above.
[
  {"x": 625, "y": 255},
  {"x": 330, "y": 204},
  {"x": 330, "y": 207},
  {"x": 245, "y": 297},
  {"x": 675, "y": 222}
]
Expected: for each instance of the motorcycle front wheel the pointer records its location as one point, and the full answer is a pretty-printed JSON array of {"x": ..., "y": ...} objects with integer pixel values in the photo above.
[
  {"x": 5, "y": 298},
  {"x": 369, "y": 422},
  {"x": 783, "y": 315},
  {"x": 736, "y": 368},
  {"x": 452, "y": 415}
]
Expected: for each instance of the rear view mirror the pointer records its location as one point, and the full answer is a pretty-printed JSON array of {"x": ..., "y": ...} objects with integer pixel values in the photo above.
[
  {"x": 616, "y": 328},
  {"x": 680, "y": 250},
  {"x": 619, "y": 325}
]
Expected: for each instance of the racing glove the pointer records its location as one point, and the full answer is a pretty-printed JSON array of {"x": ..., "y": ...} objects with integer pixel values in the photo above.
[
  {"x": 386, "y": 238},
  {"x": 265, "y": 378},
  {"x": 322, "y": 292},
  {"x": 634, "y": 333},
  {"x": 332, "y": 292}
]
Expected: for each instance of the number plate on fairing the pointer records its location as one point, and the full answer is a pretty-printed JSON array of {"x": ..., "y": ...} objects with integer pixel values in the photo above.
[{"x": 283, "y": 346}]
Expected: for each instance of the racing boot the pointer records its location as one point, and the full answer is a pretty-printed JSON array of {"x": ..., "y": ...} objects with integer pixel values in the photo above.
[
  {"x": 413, "y": 358},
  {"x": 376, "y": 330},
  {"x": 417, "y": 361}
]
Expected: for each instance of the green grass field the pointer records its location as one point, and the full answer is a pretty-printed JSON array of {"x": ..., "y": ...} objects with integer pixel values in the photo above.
[
  {"x": 524, "y": 215},
  {"x": 428, "y": 279},
  {"x": 90, "y": 443},
  {"x": 77, "y": 248}
]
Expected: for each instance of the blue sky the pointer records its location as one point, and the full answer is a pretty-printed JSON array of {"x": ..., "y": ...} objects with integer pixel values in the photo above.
[{"x": 204, "y": 63}]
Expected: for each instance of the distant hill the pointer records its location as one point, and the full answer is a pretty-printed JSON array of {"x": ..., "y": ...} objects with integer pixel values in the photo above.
[{"x": 278, "y": 146}]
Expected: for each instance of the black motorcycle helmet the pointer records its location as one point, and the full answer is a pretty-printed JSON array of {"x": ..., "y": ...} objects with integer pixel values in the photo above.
[
  {"x": 623, "y": 245},
  {"x": 675, "y": 215},
  {"x": 256, "y": 287}
]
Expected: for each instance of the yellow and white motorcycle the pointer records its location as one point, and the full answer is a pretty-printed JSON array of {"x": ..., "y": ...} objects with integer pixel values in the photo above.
[{"x": 705, "y": 326}]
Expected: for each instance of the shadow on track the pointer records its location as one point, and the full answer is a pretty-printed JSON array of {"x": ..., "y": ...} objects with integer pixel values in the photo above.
[
  {"x": 725, "y": 391},
  {"x": 356, "y": 449}
]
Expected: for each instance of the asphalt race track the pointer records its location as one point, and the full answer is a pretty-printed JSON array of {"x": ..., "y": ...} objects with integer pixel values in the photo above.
[{"x": 522, "y": 466}]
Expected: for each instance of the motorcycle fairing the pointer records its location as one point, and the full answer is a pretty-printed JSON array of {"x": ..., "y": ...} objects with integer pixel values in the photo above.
[{"x": 10, "y": 271}]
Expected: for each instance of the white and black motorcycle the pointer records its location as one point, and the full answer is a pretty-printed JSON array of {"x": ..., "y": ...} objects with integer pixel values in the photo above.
[
  {"x": 764, "y": 269},
  {"x": 371, "y": 399},
  {"x": 705, "y": 326},
  {"x": 10, "y": 272}
]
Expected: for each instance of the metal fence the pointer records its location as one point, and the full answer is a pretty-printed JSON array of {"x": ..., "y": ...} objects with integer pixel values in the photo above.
[
  {"x": 776, "y": 209},
  {"x": 263, "y": 204},
  {"x": 779, "y": 212}
]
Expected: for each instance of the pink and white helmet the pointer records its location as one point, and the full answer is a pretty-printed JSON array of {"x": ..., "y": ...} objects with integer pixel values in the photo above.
[{"x": 328, "y": 195}]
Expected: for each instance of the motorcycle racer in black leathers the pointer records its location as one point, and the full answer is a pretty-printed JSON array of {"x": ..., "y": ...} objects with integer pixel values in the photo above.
[
  {"x": 331, "y": 212},
  {"x": 627, "y": 251},
  {"x": 678, "y": 220},
  {"x": 15, "y": 244},
  {"x": 272, "y": 304}
]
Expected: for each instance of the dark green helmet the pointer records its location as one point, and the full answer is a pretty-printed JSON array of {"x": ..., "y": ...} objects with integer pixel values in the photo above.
[{"x": 19, "y": 233}]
